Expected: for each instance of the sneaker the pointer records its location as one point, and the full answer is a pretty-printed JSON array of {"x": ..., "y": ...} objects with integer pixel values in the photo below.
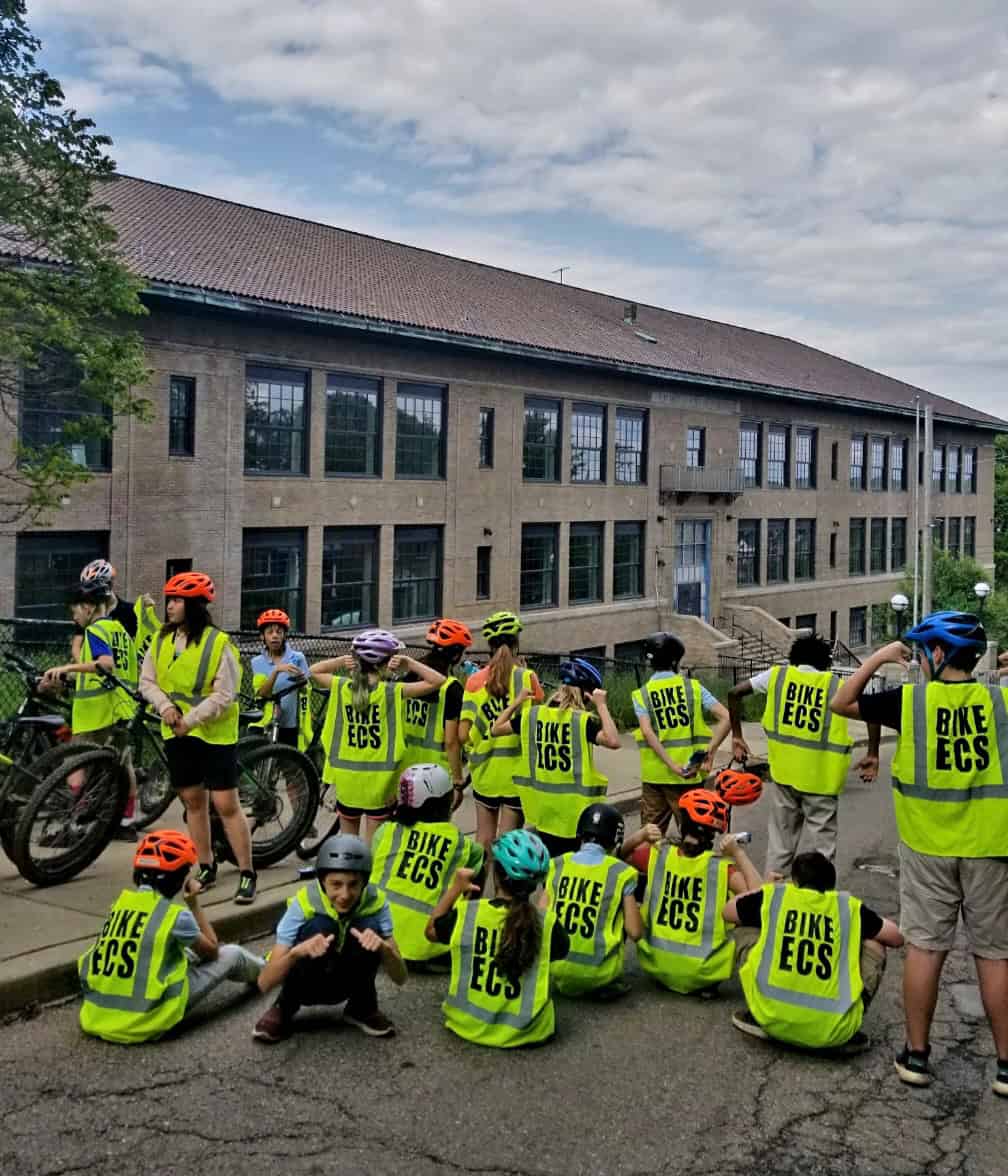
[
  {"x": 374, "y": 1025},
  {"x": 1000, "y": 1083},
  {"x": 206, "y": 876},
  {"x": 246, "y": 891},
  {"x": 912, "y": 1066},
  {"x": 273, "y": 1026},
  {"x": 745, "y": 1022}
]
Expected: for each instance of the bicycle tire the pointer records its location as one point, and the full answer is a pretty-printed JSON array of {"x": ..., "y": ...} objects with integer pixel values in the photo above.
[
  {"x": 16, "y": 791},
  {"x": 105, "y": 788},
  {"x": 265, "y": 770},
  {"x": 154, "y": 789}
]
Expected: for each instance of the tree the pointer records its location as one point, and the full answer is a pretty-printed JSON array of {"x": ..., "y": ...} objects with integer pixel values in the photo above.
[
  {"x": 1001, "y": 510},
  {"x": 68, "y": 359},
  {"x": 952, "y": 588}
]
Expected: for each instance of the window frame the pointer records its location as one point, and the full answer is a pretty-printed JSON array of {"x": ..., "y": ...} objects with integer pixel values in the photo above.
[
  {"x": 876, "y": 525},
  {"x": 484, "y": 575},
  {"x": 550, "y": 531},
  {"x": 186, "y": 384},
  {"x": 358, "y": 536},
  {"x": 640, "y": 531},
  {"x": 780, "y": 527},
  {"x": 594, "y": 411},
  {"x": 857, "y": 525},
  {"x": 596, "y": 531},
  {"x": 879, "y": 484},
  {"x": 835, "y": 461},
  {"x": 897, "y": 562},
  {"x": 900, "y": 445},
  {"x": 805, "y": 526},
  {"x": 861, "y": 440},
  {"x": 40, "y": 398},
  {"x": 862, "y": 611},
  {"x": 377, "y": 437},
  {"x": 938, "y": 531},
  {"x": 756, "y": 527},
  {"x": 699, "y": 434},
  {"x": 784, "y": 462},
  {"x": 938, "y": 469},
  {"x": 628, "y": 413},
  {"x": 426, "y": 535},
  {"x": 548, "y": 405},
  {"x": 279, "y": 374},
  {"x": 953, "y": 526},
  {"x": 953, "y": 481},
  {"x": 969, "y": 536},
  {"x": 421, "y": 390},
  {"x": 973, "y": 453},
  {"x": 833, "y": 546},
  {"x": 756, "y": 428},
  {"x": 802, "y": 433},
  {"x": 487, "y": 422},
  {"x": 43, "y": 596},
  {"x": 275, "y": 539}
]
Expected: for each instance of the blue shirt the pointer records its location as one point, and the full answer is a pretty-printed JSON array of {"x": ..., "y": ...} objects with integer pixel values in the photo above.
[
  {"x": 186, "y": 929},
  {"x": 707, "y": 700},
  {"x": 294, "y": 919},
  {"x": 263, "y": 664},
  {"x": 594, "y": 855}
]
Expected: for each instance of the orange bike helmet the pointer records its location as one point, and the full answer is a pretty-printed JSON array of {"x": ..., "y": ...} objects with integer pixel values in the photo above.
[
  {"x": 191, "y": 584},
  {"x": 273, "y": 616},
  {"x": 164, "y": 850},
  {"x": 738, "y": 787},
  {"x": 447, "y": 633},
  {"x": 705, "y": 808}
]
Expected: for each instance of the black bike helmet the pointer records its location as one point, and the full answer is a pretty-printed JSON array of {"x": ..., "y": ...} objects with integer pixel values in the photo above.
[
  {"x": 603, "y": 824},
  {"x": 664, "y": 651}
]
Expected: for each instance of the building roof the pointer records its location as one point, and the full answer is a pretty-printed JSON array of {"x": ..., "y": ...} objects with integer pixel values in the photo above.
[{"x": 180, "y": 239}]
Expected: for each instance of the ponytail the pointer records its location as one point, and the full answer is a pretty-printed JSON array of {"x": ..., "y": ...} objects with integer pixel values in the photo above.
[
  {"x": 567, "y": 698},
  {"x": 360, "y": 688},
  {"x": 502, "y": 664},
  {"x": 521, "y": 939}
]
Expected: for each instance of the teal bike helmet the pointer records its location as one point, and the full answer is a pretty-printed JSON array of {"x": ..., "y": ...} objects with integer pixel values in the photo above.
[
  {"x": 956, "y": 632},
  {"x": 522, "y": 856}
]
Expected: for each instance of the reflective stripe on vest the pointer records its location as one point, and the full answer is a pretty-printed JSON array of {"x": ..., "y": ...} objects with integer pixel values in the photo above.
[
  {"x": 497, "y": 747},
  {"x": 409, "y": 900},
  {"x": 576, "y": 785},
  {"x": 391, "y": 758},
  {"x": 432, "y": 737},
  {"x": 667, "y": 741},
  {"x": 199, "y": 691},
  {"x": 313, "y": 900},
  {"x": 712, "y": 912},
  {"x": 780, "y": 676},
  {"x": 600, "y": 949}
]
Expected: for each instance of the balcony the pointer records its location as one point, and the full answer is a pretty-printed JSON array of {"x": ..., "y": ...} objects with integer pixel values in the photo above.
[{"x": 681, "y": 481}]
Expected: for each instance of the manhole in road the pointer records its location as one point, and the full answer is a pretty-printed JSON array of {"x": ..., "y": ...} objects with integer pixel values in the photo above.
[{"x": 885, "y": 865}]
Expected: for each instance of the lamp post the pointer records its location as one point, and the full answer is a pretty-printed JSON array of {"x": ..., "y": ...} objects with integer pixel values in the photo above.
[
  {"x": 899, "y": 604},
  {"x": 981, "y": 591}
]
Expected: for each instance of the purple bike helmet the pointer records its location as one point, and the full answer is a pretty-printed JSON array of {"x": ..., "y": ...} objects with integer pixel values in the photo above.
[{"x": 375, "y": 646}]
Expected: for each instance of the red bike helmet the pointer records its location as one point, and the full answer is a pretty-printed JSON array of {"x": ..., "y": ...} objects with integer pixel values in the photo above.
[
  {"x": 196, "y": 585},
  {"x": 445, "y": 633},
  {"x": 737, "y": 788},
  {"x": 273, "y": 616},
  {"x": 705, "y": 808},
  {"x": 165, "y": 850}
]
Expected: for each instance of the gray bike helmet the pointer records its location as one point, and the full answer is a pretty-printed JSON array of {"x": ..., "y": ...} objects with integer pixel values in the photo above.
[{"x": 343, "y": 852}]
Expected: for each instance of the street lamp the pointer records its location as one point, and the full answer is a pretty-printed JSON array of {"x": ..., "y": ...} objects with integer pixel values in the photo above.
[
  {"x": 981, "y": 591},
  {"x": 899, "y": 604}
]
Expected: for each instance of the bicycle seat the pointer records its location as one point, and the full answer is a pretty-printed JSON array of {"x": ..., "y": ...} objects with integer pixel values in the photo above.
[
  {"x": 250, "y": 716},
  {"x": 49, "y": 722}
]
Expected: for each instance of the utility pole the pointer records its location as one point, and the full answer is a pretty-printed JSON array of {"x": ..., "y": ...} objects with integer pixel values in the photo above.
[
  {"x": 561, "y": 271},
  {"x": 915, "y": 534},
  {"x": 926, "y": 535}
]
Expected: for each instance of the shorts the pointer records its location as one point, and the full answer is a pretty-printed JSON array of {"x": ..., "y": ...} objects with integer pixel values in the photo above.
[
  {"x": 495, "y": 803},
  {"x": 660, "y": 803},
  {"x": 351, "y": 810},
  {"x": 934, "y": 891},
  {"x": 288, "y": 735},
  {"x": 194, "y": 763}
]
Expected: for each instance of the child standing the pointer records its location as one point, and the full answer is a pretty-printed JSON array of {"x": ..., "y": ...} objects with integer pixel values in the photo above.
[{"x": 276, "y": 668}]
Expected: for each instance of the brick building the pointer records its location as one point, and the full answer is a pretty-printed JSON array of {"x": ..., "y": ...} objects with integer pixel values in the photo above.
[{"x": 364, "y": 432}]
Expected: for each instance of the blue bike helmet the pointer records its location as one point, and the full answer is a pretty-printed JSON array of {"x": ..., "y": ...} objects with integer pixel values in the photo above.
[
  {"x": 955, "y": 631},
  {"x": 580, "y": 673},
  {"x": 522, "y": 856}
]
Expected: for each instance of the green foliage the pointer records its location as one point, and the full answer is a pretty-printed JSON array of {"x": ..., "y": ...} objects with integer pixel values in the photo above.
[
  {"x": 952, "y": 588},
  {"x": 65, "y": 298}
]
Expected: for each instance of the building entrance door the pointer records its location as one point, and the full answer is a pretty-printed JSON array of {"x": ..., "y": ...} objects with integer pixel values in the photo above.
[{"x": 692, "y": 567}]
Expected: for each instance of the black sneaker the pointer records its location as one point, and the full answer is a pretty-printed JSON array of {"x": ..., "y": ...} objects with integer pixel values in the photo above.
[
  {"x": 206, "y": 876},
  {"x": 913, "y": 1067},
  {"x": 246, "y": 891},
  {"x": 1000, "y": 1083}
]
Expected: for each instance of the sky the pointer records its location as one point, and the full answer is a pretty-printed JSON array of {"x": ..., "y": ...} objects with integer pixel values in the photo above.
[{"x": 832, "y": 172}]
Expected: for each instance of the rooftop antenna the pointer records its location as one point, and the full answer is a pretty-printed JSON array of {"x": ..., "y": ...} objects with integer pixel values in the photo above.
[{"x": 561, "y": 271}]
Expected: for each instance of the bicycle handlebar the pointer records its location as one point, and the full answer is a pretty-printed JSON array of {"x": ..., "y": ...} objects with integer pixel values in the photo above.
[
  {"x": 17, "y": 662},
  {"x": 299, "y": 684},
  {"x": 115, "y": 682}
]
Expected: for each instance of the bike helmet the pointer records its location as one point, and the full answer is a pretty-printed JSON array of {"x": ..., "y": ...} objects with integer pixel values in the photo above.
[
  {"x": 736, "y": 788},
  {"x": 423, "y": 782},
  {"x": 580, "y": 673},
  {"x": 273, "y": 616},
  {"x": 375, "y": 646},
  {"x": 501, "y": 624},
  {"x": 447, "y": 633},
  {"x": 601, "y": 823},
  {"x": 664, "y": 650},
  {"x": 522, "y": 856},
  {"x": 343, "y": 852},
  {"x": 705, "y": 808},
  {"x": 163, "y": 851},
  {"x": 97, "y": 576},
  {"x": 193, "y": 585},
  {"x": 956, "y": 632}
]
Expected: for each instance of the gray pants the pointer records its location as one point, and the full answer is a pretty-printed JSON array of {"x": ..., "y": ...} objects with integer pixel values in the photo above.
[
  {"x": 790, "y": 812},
  {"x": 232, "y": 963}
]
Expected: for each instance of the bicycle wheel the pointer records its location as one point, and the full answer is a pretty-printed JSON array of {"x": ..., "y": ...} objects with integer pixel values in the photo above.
[
  {"x": 71, "y": 817},
  {"x": 278, "y": 790},
  {"x": 19, "y": 782},
  {"x": 154, "y": 790}
]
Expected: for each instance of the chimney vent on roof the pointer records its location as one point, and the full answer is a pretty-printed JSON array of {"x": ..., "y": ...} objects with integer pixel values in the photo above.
[{"x": 630, "y": 312}]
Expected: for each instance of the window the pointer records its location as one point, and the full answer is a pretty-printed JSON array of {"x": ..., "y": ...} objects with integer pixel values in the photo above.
[
  {"x": 877, "y": 468},
  {"x": 877, "y": 552},
  {"x": 953, "y": 479},
  {"x": 805, "y": 459},
  {"x": 483, "y": 555},
  {"x": 416, "y": 573},
  {"x": 834, "y": 461},
  {"x": 806, "y": 621},
  {"x": 898, "y": 464},
  {"x": 181, "y": 416},
  {"x": 486, "y": 438},
  {"x": 174, "y": 567},
  {"x": 628, "y": 560},
  {"x": 857, "y": 627},
  {"x": 747, "y": 567},
  {"x": 353, "y": 440},
  {"x": 349, "y": 577},
  {"x": 777, "y": 551},
  {"x": 588, "y": 433},
  {"x": 832, "y": 549},
  {"x": 276, "y": 421},
  {"x": 631, "y": 446},
  {"x": 541, "y": 454},
  {"x": 804, "y": 549},
  {"x": 969, "y": 468},
  {"x": 55, "y": 413},
  {"x": 856, "y": 548},
  {"x": 272, "y": 575},
  {"x": 954, "y": 536},
  {"x": 750, "y": 451},
  {"x": 420, "y": 431},
  {"x": 897, "y": 544},
  {"x": 539, "y": 565},
  {"x": 857, "y": 463},
  {"x": 785, "y": 621},
  {"x": 938, "y": 469},
  {"x": 969, "y": 537},
  {"x": 833, "y": 625},
  {"x": 584, "y": 563},
  {"x": 880, "y": 618},
  {"x": 938, "y": 532},
  {"x": 629, "y": 651},
  {"x": 777, "y": 457},
  {"x": 920, "y": 467},
  {"x": 47, "y": 567},
  {"x": 696, "y": 447}
]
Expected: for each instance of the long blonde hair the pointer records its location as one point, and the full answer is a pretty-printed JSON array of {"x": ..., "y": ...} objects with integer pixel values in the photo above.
[
  {"x": 567, "y": 698},
  {"x": 501, "y": 667},
  {"x": 361, "y": 684}
]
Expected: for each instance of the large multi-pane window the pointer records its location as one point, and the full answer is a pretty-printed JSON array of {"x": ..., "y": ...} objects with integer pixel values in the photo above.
[
  {"x": 276, "y": 421},
  {"x": 353, "y": 425},
  {"x": 539, "y": 559},
  {"x": 588, "y": 443},
  {"x": 541, "y": 451},
  {"x": 55, "y": 413},
  {"x": 416, "y": 573},
  {"x": 969, "y": 537},
  {"x": 938, "y": 469},
  {"x": 897, "y": 544},
  {"x": 805, "y": 459},
  {"x": 777, "y": 456},
  {"x": 696, "y": 447},
  {"x": 584, "y": 563},
  {"x": 857, "y": 462},
  {"x": 877, "y": 463},
  {"x": 857, "y": 629},
  {"x": 272, "y": 574},
  {"x": 483, "y": 557},
  {"x": 47, "y": 567},
  {"x": 969, "y": 471},
  {"x": 750, "y": 453},
  {"x": 954, "y": 536},
  {"x": 804, "y": 549},
  {"x": 877, "y": 546},
  {"x": 856, "y": 548},
  {"x": 628, "y": 560},
  {"x": 631, "y": 446},
  {"x": 777, "y": 551},
  {"x": 420, "y": 431},
  {"x": 486, "y": 438},
  {"x": 181, "y": 416},
  {"x": 880, "y": 621},
  {"x": 806, "y": 621},
  {"x": 349, "y": 577},
  {"x": 953, "y": 478},
  {"x": 938, "y": 532},
  {"x": 747, "y": 565},
  {"x": 898, "y": 464}
]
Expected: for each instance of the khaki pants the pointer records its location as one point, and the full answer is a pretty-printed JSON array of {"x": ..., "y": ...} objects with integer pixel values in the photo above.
[
  {"x": 790, "y": 812},
  {"x": 660, "y": 804}
]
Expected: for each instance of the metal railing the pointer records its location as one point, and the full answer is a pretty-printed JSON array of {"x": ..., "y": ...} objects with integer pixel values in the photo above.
[{"x": 685, "y": 479}]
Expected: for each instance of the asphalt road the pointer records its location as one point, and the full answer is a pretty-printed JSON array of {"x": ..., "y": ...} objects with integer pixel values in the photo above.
[{"x": 655, "y": 1084}]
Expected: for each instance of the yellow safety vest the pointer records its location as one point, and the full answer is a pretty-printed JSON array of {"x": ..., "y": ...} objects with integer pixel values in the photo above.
[
  {"x": 675, "y": 707},
  {"x": 96, "y": 703},
  {"x": 948, "y": 774},
  {"x": 482, "y": 1004},
  {"x": 424, "y": 729},
  {"x": 802, "y": 980},
  {"x": 493, "y": 761},
  {"x": 135, "y": 978},
  {"x": 147, "y": 626},
  {"x": 809, "y": 745},
  {"x": 304, "y": 710},
  {"x": 686, "y": 944},
  {"x": 560, "y": 779},
  {"x": 587, "y": 901},
  {"x": 415, "y": 865},
  {"x": 313, "y": 900},
  {"x": 364, "y": 752},
  {"x": 188, "y": 678}
]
